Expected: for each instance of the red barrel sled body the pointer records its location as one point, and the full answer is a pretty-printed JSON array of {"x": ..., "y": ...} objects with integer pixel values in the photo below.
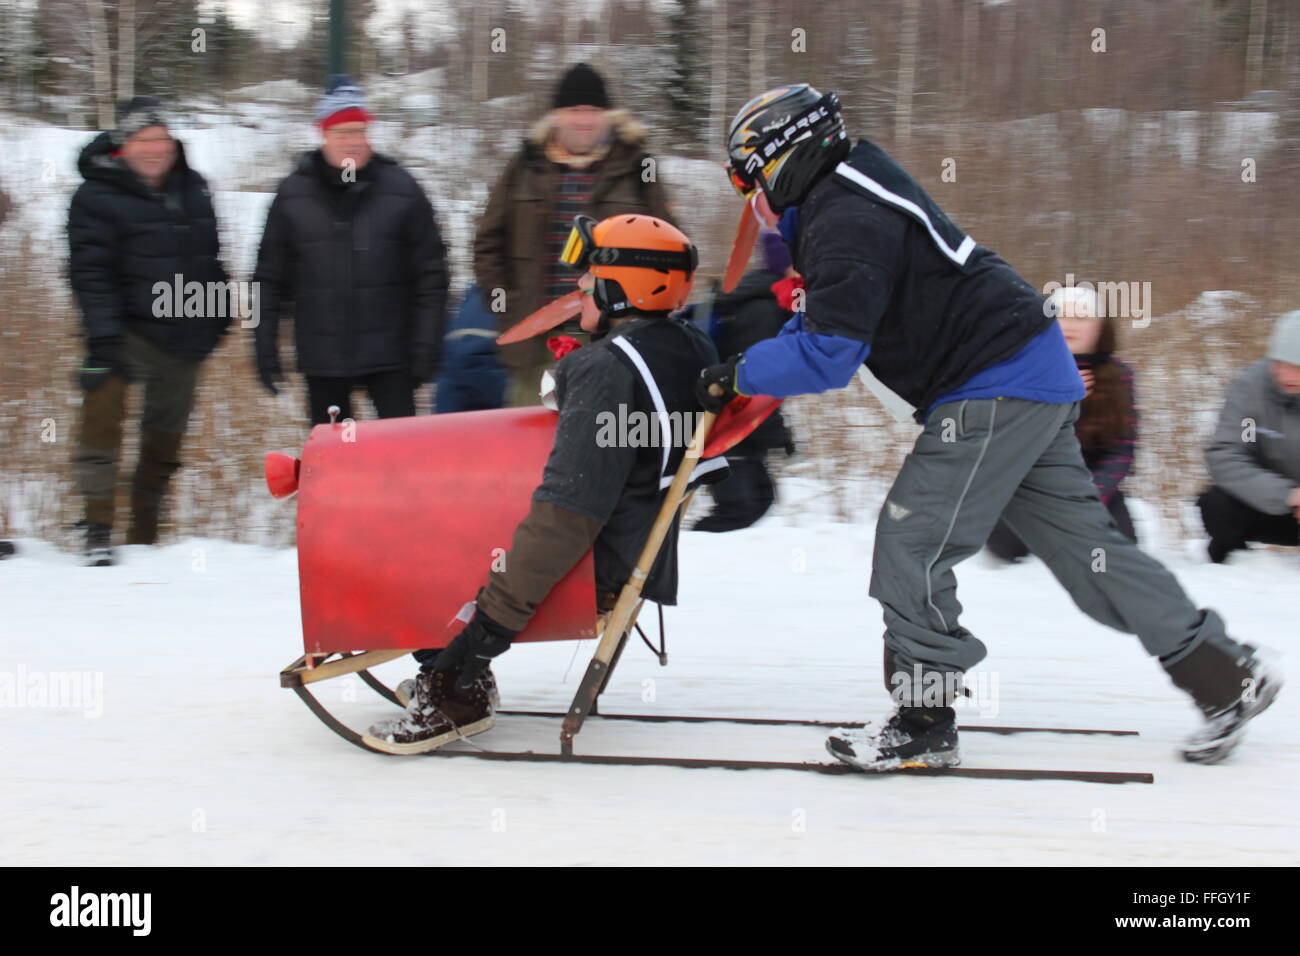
[{"x": 400, "y": 521}]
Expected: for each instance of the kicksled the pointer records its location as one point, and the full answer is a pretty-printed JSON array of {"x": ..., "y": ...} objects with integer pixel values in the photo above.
[{"x": 379, "y": 541}]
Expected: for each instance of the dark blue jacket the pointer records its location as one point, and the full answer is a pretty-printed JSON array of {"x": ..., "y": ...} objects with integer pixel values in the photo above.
[
  {"x": 883, "y": 290},
  {"x": 470, "y": 376}
]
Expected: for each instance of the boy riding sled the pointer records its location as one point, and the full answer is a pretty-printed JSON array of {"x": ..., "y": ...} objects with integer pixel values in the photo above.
[{"x": 599, "y": 491}]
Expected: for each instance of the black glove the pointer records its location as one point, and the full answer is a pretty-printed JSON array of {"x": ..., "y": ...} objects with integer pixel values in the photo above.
[
  {"x": 105, "y": 356},
  {"x": 717, "y": 384},
  {"x": 473, "y": 649},
  {"x": 424, "y": 361},
  {"x": 270, "y": 373}
]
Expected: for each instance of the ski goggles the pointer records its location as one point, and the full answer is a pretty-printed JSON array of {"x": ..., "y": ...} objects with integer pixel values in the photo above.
[
  {"x": 577, "y": 249},
  {"x": 740, "y": 183},
  {"x": 581, "y": 252}
]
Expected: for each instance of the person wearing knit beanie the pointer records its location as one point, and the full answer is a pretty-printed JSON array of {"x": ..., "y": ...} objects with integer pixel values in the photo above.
[
  {"x": 579, "y": 116},
  {"x": 142, "y": 140},
  {"x": 580, "y": 157},
  {"x": 140, "y": 112},
  {"x": 343, "y": 118},
  {"x": 352, "y": 241}
]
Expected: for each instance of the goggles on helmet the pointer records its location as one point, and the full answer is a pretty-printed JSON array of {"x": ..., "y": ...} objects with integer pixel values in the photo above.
[{"x": 582, "y": 252}]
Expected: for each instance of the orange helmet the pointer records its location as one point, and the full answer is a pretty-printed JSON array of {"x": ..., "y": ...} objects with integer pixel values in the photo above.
[{"x": 640, "y": 263}]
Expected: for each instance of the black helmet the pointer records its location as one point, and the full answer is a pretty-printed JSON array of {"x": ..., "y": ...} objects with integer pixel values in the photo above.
[{"x": 784, "y": 140}]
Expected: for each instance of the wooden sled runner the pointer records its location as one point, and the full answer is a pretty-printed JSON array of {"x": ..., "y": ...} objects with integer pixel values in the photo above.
[{"x": 375, "y": 545}]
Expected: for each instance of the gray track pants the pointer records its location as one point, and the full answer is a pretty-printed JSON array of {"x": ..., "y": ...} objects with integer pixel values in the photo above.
[{"x": 983, "y": 458}]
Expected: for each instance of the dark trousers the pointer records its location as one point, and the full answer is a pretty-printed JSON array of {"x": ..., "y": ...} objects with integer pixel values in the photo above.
[
  {"x": 169, "y": 385},
  {"x": 741, "y": 498},
  {"x": 1231, "y": 523},
  {"x": 1004, "y": 543},
  {"x": 392, "y": 392}
]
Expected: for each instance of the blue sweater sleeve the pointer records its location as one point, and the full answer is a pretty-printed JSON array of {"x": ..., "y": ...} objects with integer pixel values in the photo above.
[{"x": 797, "y": 362}]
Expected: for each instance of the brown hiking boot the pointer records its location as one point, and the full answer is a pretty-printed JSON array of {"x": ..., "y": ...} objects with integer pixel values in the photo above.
[{"x": 437, "y": 714}]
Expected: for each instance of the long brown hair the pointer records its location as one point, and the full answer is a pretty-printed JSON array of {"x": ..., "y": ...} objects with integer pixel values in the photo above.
[{"x": 1104, "y": 416}]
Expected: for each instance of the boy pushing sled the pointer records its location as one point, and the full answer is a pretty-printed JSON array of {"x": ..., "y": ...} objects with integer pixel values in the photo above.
[{"x": 949, "y": 328}]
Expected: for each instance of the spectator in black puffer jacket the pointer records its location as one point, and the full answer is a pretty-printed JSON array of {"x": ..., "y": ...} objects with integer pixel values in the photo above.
[
  {"x": 141, "y": 223},
  {"x": 352, "y": 242},
  {"x": 749, "y": 314}
]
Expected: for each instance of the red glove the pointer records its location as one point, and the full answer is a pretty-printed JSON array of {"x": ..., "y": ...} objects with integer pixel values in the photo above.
[{"x": 784, "y": 290}]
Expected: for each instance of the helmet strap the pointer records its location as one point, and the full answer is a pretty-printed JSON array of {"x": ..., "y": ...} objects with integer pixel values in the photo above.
[{"x": 611, "y": 299}]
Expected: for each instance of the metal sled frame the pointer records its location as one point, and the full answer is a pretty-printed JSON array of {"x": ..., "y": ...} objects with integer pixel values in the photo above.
[
  {"x": 614, "y": 632},
  {"x": 302, "y": 673}
]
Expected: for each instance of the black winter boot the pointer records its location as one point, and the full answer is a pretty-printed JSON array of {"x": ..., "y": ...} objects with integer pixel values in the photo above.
[
  {"x": 1229, "y": 689},
  {"x": 910, "y": 737},
  {"x": 97, "y": 549}
]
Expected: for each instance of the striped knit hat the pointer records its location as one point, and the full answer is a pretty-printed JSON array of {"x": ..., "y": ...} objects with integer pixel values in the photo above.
[
  {"x": 343, "y": 102},
  {"x": 139, "y": 113}
]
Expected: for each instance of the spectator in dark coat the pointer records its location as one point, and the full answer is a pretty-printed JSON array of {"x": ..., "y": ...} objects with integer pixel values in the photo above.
[
  {"x": 1254, "y": 456},
  {"x": 141, "y": 231},
  {"x": 582, "y": 157},
  {"x": 748, "y": 314},
  {"x": 352, "y": 242},
  {"x": 1108, "y": 417}
]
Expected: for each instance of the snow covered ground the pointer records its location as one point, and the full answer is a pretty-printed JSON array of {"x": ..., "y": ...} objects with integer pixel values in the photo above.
[{"x": 192, "y": 753}]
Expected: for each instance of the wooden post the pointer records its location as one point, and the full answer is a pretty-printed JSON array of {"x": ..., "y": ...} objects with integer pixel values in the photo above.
[{"x": 629, "y": 599}]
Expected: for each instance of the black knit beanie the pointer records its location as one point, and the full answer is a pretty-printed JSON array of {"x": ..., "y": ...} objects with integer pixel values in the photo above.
[{"x": 581, "y": 86}]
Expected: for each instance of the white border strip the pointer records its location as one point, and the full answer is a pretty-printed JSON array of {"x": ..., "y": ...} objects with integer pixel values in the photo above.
[
  {"x": 958, "y": 255},
  {"x": 661, "y": 410},
  {"x": 665, "y": 423}
]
